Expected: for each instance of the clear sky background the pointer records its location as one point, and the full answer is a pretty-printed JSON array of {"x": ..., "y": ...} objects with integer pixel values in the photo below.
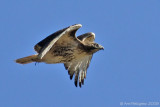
[{"x": 128, "y": 70}]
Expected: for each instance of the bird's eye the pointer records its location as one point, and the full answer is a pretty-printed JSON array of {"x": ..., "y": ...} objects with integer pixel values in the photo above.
[{"x": 96, "y": 45}]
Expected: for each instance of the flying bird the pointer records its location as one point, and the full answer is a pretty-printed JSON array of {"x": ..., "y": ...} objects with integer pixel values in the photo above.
[{"x": 64, "y": 47}]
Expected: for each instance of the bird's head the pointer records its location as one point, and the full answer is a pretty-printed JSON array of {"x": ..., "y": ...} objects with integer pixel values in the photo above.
[
  {"x": 97, "y": 46},
  {"x": 94, "y": 47}
]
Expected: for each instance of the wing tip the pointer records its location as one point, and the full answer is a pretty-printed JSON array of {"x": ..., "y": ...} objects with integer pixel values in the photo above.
[
  {"x": 80, "y": 84},
  {"x": 71, "y": 76},
  {"x": 76, "y": 26},
  {"x": 75, "y": 83},
  {"x": 92, "y": 33}
]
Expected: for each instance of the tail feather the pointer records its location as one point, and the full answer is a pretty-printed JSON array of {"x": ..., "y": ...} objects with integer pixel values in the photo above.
[{"x": 26, "y": 60}]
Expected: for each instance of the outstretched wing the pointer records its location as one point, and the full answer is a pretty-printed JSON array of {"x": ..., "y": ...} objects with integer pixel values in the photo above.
[
  {"x": 79, "y": 69},
  {"x": 87, "y": 37},
  {"x": 62, "y": 37}
]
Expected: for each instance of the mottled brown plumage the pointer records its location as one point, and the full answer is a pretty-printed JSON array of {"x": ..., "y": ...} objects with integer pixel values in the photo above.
[{"x": 64, "y": 47}]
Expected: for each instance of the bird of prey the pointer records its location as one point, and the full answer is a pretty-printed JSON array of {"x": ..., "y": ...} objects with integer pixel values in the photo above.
[{"x": 64, "y": 47}]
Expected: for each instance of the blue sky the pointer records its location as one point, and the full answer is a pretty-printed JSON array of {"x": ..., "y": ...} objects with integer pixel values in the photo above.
[{"x": 127, "y": 70}]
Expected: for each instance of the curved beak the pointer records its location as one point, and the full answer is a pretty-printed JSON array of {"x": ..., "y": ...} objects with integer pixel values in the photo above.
[{"x": 101, "y": 47}]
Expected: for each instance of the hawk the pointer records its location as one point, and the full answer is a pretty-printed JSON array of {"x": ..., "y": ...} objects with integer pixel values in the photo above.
[{"x": 64, "y": 47}]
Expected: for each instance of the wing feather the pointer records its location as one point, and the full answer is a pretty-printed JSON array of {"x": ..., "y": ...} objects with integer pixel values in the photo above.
[
  {"x": 40, "y": 45},
  {"x": 87, "y": 37},
  {"x": 79, "y": 68},
  {"x": 52, "y": 39}
]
